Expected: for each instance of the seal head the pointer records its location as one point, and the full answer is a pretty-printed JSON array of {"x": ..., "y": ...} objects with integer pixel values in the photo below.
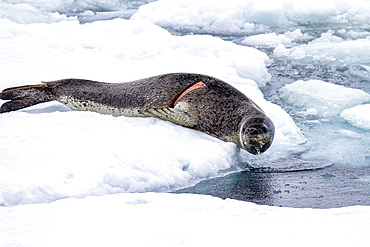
[{"x": 257, "y": 134}]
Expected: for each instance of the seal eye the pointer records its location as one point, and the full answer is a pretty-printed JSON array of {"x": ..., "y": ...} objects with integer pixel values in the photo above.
[{"x": 257, "y": 135}]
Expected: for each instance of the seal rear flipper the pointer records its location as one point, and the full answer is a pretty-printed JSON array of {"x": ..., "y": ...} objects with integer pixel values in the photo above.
[
  {"x": 170, "y": 114},
  {"x": 25, "y": 96}
]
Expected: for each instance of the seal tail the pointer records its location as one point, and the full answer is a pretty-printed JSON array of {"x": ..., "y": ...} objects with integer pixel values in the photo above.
[{"x": 25, "y": 96}]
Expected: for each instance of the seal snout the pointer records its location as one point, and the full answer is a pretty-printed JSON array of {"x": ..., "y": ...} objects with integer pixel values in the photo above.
[{"x": 257, "y": 135}]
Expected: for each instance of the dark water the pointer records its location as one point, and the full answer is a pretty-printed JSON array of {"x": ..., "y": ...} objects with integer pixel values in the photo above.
[{"x": 323, "y": 188}]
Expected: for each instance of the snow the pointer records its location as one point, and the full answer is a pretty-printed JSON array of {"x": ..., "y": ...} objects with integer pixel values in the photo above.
[
  {"x": 128, "y": 46},
  {"x": 73, "y": 178},
  {"x": 48, "y": 156},
  {"x": 159, "y": 219}
]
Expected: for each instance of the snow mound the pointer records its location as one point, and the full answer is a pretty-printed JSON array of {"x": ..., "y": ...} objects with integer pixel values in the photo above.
[
  {"x": 322, "y": 98},
  {"x": 358, "y": 116},
  {"x": 48, "y": 156}
]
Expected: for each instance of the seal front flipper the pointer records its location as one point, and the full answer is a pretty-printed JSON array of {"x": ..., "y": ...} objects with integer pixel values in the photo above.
[
  {"x": 178, "y": 112},
  {"x": 170, "y": 114}
]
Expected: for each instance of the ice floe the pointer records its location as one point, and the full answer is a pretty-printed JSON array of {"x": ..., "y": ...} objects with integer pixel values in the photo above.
[
  {"x": 323, "y": 98},
  {"x": 358, "y": 116}
]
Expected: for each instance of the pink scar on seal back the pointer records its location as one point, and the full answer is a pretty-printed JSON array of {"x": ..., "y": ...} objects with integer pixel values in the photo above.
[{"x": 195, "y": 86}]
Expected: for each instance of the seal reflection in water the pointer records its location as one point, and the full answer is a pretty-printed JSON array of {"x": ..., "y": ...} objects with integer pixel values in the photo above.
[{"x": 196, "y": 101}]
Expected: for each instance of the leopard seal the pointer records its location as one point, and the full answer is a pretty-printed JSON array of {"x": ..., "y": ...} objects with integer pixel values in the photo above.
[{"x": 196, "y": 101}]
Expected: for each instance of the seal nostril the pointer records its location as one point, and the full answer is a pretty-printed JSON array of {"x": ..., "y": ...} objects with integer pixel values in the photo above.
[{"x": 252, "y": 131}]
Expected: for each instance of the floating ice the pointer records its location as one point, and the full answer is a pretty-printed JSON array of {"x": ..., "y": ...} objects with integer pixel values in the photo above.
[
  {"x": 240, "y": 16},
  {"x": 330, "y": 49},
  {"x": 358, "y": 116},
  {"x": 273, "y": 40},
  {"x": 349, "y": 133},
  {"x": 320, "y": 97},
  {"x": 269, "y": 40}
]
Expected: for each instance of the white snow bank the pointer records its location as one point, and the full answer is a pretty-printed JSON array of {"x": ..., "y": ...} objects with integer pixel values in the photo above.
[
  {"x": 48, "y": 156},
  {"x": 358, "y": 116},
  {"x": 154, "y": 219},
  {"x": 246, "y": 16},
  {"x": 322, "y": 98}
]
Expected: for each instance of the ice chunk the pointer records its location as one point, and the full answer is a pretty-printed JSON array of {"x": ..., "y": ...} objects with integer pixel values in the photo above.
[
  {"x": 269, "y": 40},
  {"x": 361, "y": 71},
  {"x": 358, "y": 116},
  {"x": 273, "y": 39},
  {"x": 350, "y": 133},
  {"x": 329, "y": 49},
  {"x": 310, "y": 112},
  {"x": 327, "y": 98}
]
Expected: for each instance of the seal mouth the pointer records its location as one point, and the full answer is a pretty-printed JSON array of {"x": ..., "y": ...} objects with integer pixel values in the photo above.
[
  {"x": 257, "y": 144},
  {"x": 257, "y": 135}
]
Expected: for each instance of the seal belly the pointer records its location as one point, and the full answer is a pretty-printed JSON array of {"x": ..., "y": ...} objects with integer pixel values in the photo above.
[{"x": 94, "y": 106}]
